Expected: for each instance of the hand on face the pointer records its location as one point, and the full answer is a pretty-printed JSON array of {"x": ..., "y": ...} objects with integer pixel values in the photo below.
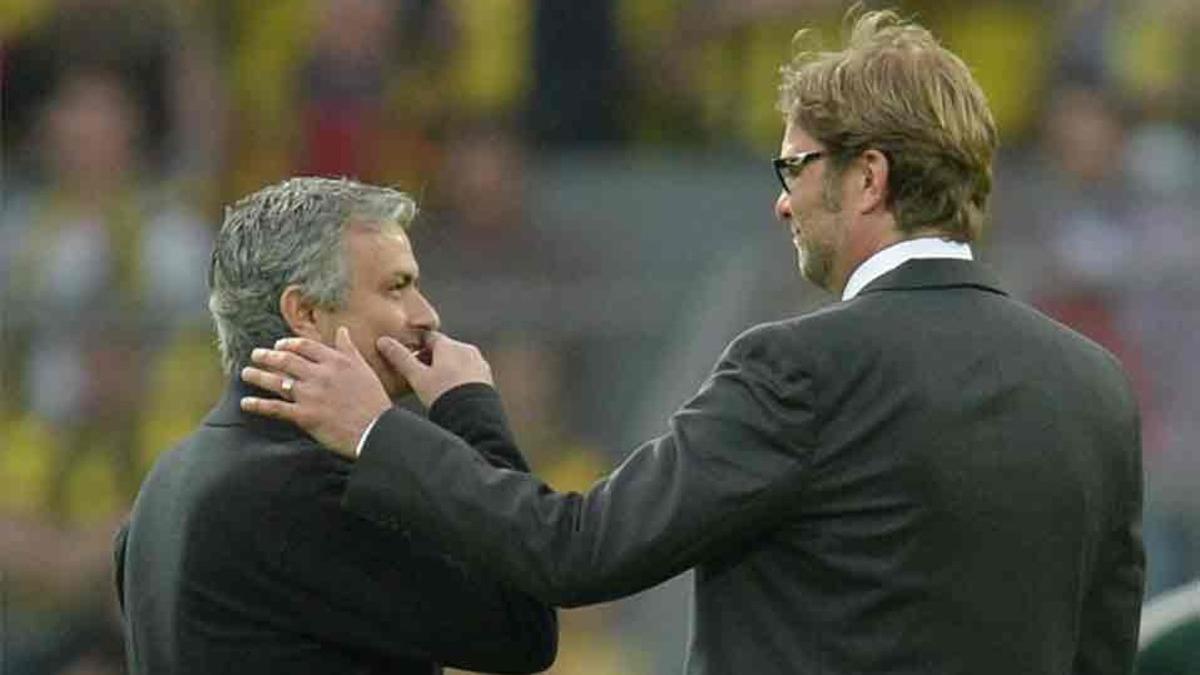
[
  {"x": 365, "y": 338},
  {"x": 383, "y": 298},
  {"x": 452, "y": 364},
  {"x": 330, "y": 392}
]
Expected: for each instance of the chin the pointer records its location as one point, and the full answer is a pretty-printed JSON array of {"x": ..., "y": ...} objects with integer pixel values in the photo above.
[
  {"x": 815, "y": 270},
  {"x": 809, "y": 268}
]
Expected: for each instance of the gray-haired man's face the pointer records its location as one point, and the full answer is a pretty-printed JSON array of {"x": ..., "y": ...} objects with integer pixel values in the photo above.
[{"x": 383, "y": 299}]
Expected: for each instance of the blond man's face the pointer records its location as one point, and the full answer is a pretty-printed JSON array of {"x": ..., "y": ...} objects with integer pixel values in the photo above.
[{"x": 818, "y": 231}]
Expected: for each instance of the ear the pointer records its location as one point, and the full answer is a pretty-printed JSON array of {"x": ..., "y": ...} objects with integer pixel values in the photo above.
[
  {"x": 874, "y": 181},
  {"x": 299, "y": 313}
]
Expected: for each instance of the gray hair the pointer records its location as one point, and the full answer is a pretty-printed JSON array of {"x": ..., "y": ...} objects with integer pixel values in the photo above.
[{"x": 285, "y": 234}]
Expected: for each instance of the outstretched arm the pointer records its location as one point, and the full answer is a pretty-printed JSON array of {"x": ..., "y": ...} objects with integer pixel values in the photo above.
[
  {"x": 370, "y": 585},
  {"x": 724, "y": 474}
]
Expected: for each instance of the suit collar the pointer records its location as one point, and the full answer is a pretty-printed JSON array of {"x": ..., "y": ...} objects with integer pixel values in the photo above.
[
  {"x": 937, "y": 273},
  {"x": 891, "y": 257},
  {"x": 228, "y": 413}
]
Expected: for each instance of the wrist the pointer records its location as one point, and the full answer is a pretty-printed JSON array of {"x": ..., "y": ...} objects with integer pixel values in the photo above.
[
  {"x": 362, "y": 437},
  {"x": 443, "y": 407}
]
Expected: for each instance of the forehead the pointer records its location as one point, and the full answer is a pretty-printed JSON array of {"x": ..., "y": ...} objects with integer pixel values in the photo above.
[
  {"x": 796, "y": 140},
  {"x": 379, "y": 250}
]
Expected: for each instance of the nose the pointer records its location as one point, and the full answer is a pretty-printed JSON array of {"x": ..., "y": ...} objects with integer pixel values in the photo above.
[
  {"x": 783, "y": 206},
  {"x": 423, "y": 315}
]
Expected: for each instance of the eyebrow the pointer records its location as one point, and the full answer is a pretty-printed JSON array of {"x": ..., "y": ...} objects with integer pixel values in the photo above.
[{"x": 405, "y": 275}]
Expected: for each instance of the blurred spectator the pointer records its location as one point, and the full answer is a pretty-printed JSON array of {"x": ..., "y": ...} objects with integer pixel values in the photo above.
[
  {"x": 1008, "y": 46},
  {"x": 362, "y": 49},
  {"x": 128, "y": 38},
  {"x": 491, "y": 63},
  {"x": 1067, "y": 208},
  {"x": 488, "y": 266},
  {"x": 162, "y": 51},
  {"x": 579, "y": 73},
  {"x": 704, "y": 72},
  {"x": 1067, "y": 227},
  {"x": 339, "y": 87},
  {"x": 1164, "y": 314},
  {"x": 99, "y": 277},
  {"x": 531, "y": 374},
  {"x": 1097, "y": 227}
]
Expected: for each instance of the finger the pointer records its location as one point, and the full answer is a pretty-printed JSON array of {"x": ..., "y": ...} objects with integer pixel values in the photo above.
[
  {"x": 425, "y": 353},
  {"x": 403, "y": 361},
  {"x": 448, "y": 346},
  {"x": 345, "y": 345},
  {"x": 271, "y": 407},
  {"x": 269, "y": 381},
  {"x": 309, "y": 349},
  {"x": 440, "y": 343},
  {"x": 283, "y": 362},
  {"x": 431, "y": 338}
]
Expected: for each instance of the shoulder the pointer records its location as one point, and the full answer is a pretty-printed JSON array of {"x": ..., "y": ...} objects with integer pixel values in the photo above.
[
  {"x": 298, "y": 470},
  {"x": 223, "y": 489},
  {"x": 1092, "y": 364},
  {"x": 802, "y": 341},
  {"x": 1040, "y": 335},
  {"x": 783, "y": 358},
  {"x": 231, "y": 476}
]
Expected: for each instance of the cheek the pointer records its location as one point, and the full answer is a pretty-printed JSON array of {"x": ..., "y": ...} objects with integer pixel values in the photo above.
[
  {"x": 382, "y": 318},
  {"x": 393, "y": 325},
  {"x": 376, "y": 360},
  {"x": 806, "y": 217},
  {"x": 808, "y": 203}
]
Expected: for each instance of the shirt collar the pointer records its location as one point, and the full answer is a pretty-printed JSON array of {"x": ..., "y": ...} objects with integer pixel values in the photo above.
[{"x": 897, "y": 254}]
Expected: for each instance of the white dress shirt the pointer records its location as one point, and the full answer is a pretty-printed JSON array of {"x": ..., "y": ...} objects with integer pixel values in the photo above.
[
  {"x": 362, "y": 440},
  {"x": 897, "y": 254}
]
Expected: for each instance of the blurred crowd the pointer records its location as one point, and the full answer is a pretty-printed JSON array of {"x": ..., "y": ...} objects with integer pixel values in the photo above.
[{"x": 567, "y": 156}]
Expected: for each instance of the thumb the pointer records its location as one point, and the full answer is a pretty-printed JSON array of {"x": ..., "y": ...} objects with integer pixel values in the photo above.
[
  {"x": 345, "y": 345},
  {"x": 403, "y": 361}
]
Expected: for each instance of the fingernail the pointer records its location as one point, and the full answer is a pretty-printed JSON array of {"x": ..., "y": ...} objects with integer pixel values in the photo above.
[
  {"x": 258, "y": 353},
  {"x": 281, "y": 343},
  {"x": 245, "y": 372}
]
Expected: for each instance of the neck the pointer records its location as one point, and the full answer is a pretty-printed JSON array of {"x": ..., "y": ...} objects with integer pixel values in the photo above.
[{"x": 886, "y": 238}]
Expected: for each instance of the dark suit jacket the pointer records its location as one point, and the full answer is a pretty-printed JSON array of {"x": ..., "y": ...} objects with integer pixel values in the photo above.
[
  {"x": 930, "y": 478},
  {"x": 239, "y": 558}
]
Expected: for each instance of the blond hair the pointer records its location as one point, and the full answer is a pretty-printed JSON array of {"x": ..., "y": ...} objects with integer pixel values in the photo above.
[{"x": 895, "y": 89}]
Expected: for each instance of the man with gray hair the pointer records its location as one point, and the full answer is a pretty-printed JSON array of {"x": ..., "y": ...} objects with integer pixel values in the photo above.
[{"x": 238, "y": 555}]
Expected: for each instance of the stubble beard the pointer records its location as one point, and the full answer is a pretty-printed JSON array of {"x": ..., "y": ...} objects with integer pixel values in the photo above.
[{"x": 814, "y": 258}]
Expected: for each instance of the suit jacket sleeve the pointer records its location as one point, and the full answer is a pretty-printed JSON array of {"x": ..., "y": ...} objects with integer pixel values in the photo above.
[
  {"x": 473, "y": 413},
  {"x": 379, "y": 589},
  {"x": 1111, "y": 612},
  {"x": 725, "y": 473}
]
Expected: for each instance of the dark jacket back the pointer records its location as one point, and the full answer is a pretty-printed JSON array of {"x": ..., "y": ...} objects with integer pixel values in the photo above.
[
  {"x": 239, "y": 558},
  {"x": 969, "y": 500}
]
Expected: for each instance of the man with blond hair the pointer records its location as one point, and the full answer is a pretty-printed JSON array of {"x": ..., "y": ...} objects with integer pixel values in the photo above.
[{"x": 926, "y": 477}]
